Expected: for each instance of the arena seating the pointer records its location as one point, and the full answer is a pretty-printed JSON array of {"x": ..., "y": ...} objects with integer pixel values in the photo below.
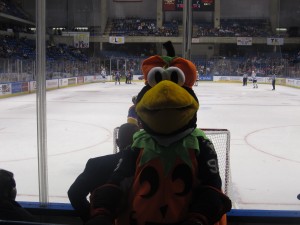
[
  {"x": 236, "y": 28},
  {"x": 142, "y": 27}
]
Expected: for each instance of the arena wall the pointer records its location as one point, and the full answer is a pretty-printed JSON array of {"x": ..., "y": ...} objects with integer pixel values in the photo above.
[{"x": 15, "y": 88}]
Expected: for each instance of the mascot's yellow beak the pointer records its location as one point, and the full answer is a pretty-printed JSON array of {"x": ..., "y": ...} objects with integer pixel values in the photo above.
[{"x": 166, "y": 107}]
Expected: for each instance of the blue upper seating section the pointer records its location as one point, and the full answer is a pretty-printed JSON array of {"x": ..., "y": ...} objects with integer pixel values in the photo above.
[
  {"x": 169, "y": 29},
  {"x": 142, "y": 27},
  {"x": 133, "y": 27},
  {"x": 16, "y": 48},
  {"x": 23, "y": 48},
  {"x": 236, "y": 28}
]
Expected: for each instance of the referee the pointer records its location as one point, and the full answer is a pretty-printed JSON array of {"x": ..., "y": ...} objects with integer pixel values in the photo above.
[{"x": 273, "y": 81}]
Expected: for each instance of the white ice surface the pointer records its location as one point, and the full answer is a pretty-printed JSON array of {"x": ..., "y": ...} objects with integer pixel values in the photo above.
[{"x": 264, "y": 126}]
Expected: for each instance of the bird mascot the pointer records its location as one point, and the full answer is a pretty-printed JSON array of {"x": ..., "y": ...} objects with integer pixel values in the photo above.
[{"x": 170, "y": 176}]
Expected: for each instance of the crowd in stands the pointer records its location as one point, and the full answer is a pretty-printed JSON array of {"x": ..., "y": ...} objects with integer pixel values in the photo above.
[
  {"x": 142, "y": 27},
  {"x": 16, "y": 48},
  {"x": 236, "y": 28},
  {"x": 265, "y": 64},
  {"x": 133, "y": 26},
  {"x": 23, "y": 48},
  {"x": 148, "y": 27},
  {"x": 228, "y": 28},
  {"x": 67, "y": 61}
]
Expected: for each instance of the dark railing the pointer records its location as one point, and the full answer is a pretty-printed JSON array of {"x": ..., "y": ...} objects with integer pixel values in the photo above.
[{"x": 63, "y": 213}]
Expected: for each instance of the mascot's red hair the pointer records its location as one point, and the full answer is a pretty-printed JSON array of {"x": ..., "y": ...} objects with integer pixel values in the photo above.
[{"x": 170, "y": 175}]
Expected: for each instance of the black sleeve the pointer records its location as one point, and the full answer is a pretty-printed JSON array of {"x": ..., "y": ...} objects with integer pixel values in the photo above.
[
  {"x": 96, "y": 173},
  {"x": 209, "y": 204},
  {"x": 126, "y": 167},
  {"x": 79, "y": 191},
  {"x": 208, "y": 164},
  {"x": 108, "y": 199}
]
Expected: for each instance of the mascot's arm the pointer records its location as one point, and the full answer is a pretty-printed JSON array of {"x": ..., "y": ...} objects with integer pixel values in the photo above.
[
  {"x": 209, "y": 203},
  {"x": 208, "y": 165},
  {"x": 106, "y": 200}
]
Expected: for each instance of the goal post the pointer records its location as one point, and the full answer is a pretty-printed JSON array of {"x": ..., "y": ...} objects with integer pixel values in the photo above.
[{"x": 221, "y": 141}]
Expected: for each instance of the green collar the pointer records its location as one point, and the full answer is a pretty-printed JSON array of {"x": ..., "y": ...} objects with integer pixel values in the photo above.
[{"x": 167, "y": 154}]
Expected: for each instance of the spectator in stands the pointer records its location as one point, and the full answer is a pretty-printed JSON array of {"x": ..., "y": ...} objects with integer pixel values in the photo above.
[
  {"x": 97, "y": 171},
  {"x": 9, "y": 208}
]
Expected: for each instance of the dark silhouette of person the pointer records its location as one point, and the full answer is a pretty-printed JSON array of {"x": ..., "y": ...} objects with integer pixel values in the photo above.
[
  {"x": 245, "y": 79},
  {"x": 10, "y": 209},
  {"x": 97, "y": 171},
  {"x": 132, "y": 117},
  {"x": 273, "y": 81}
]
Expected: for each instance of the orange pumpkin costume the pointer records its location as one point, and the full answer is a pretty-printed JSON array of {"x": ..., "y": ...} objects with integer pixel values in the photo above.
[{"x": 170, "y": 176}]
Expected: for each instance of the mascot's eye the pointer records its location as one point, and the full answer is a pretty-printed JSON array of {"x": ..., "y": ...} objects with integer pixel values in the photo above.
[
  {"x": 155, "y": 75},
  {"x": 176, "y": 75}
]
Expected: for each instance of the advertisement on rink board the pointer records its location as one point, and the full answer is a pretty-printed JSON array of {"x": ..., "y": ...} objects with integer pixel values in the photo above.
[
  {"x": 7, "y": 89},
  {"x": 18, "y": 87},
  {"x": 206, "y": 78}
]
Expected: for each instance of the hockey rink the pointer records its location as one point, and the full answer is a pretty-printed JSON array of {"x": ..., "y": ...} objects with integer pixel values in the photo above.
[{"x": 264, "y": 126}]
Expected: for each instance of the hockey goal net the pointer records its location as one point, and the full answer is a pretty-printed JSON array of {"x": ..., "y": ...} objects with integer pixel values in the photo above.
[{"x": 221, "y": 141}]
